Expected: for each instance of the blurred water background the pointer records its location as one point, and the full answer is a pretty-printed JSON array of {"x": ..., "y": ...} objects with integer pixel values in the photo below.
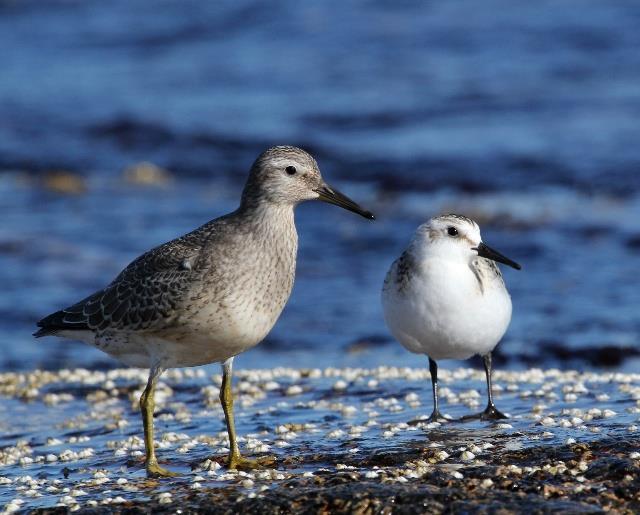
[{"x": 524, "y": 115}]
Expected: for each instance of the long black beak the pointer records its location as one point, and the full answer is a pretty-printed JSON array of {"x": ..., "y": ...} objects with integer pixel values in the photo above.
[
  {"x": 487, "y": 252},
  {"x": 333, "y": 196}
]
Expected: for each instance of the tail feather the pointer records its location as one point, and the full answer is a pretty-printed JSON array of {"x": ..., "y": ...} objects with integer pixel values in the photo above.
[
  {"x": 55, "y": 322},
  {"x": 43, "y": 332}
]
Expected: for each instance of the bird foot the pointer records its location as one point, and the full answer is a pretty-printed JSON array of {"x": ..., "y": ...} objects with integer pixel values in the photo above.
[
  {"x": 156, "y": 471},
  {"x": 436, "y": 416},
  {"x": 240, "y": 463},
  {"x": 490, "y": 413}
]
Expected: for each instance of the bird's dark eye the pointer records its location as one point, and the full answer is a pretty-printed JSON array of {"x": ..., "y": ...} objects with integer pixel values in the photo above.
[
  {"x": 291, "y": 170},
  {"x": 452, "y": 231}
]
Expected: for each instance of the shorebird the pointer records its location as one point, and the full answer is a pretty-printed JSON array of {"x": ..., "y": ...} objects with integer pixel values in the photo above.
[
  {"x": 209, "y": 295},
  {"x": 445, "y": 297}
]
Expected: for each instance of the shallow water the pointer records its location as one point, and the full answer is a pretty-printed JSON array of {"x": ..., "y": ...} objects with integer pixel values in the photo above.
[{"x": 74, "y": 437}]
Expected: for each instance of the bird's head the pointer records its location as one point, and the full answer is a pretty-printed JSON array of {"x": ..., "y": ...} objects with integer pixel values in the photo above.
[
  {"x": 456, "y": 237},
  {"x": 289, "y": 175}
]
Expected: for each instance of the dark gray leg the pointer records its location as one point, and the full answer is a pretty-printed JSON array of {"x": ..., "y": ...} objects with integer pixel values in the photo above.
[
  {"x": 490, "y": 412},
  {"x": 435, "y": 416}
]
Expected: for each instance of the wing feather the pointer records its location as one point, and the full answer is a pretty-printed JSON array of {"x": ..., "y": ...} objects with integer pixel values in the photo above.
[{"x": 141, "y": 297}]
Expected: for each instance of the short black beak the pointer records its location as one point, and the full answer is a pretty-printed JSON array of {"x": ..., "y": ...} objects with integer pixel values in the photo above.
[
  {"x": 487, "y": 252},
  {"x": 333, "y": 196}
]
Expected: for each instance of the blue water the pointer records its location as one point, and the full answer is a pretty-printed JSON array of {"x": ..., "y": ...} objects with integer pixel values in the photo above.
[{"x": 523, "y": 115}]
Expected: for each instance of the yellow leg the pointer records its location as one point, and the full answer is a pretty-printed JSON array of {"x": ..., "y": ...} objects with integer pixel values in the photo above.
[
  {"x": 147, "y": 405},
  {"x": 236, "y": 461}
]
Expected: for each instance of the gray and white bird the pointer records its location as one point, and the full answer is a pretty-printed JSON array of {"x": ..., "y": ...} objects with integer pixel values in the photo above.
[
  {"x": 209, "y": 295},
  {"x": 445, "y": 297}
]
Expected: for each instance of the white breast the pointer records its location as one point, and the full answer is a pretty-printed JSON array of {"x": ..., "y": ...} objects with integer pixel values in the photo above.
[{"x": 442, "y": 311}]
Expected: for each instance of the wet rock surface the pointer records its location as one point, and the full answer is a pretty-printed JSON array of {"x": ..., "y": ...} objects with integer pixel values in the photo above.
[{"x": 72, "y": 441}]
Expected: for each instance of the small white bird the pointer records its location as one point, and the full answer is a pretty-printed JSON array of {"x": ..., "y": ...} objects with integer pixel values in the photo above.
[{"x": 445, "y": 297}]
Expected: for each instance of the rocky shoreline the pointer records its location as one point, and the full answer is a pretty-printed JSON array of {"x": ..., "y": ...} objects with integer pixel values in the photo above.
[
  {"x": 342, "y": 439},
  {"x": 596, "y": 478}
]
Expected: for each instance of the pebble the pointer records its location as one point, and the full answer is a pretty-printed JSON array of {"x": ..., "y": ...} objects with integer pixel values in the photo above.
[
  {"x": 165, "y": 498},
  {"x": 61, "y": 181},
  {"x": 467, "y": 456},
  {"x": 340, "y": 385},
  {"x": 441, "y": 455},
  {"x": 294, "y": 390},
  {"x": 147, "y": 174},
  {"x": 412, "y": 397}
]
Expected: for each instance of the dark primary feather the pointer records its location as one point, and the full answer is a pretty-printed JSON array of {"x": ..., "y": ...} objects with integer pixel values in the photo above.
[{"x": 142, "y": 296}]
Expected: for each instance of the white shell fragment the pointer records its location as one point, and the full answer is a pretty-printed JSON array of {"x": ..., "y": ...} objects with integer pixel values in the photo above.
[{"x": 94, "y": 428}]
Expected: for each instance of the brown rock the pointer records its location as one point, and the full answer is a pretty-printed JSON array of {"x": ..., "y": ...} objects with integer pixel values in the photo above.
[
  {"x": 147, "y": 174},
  {"x": 61, "y": 181}
]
